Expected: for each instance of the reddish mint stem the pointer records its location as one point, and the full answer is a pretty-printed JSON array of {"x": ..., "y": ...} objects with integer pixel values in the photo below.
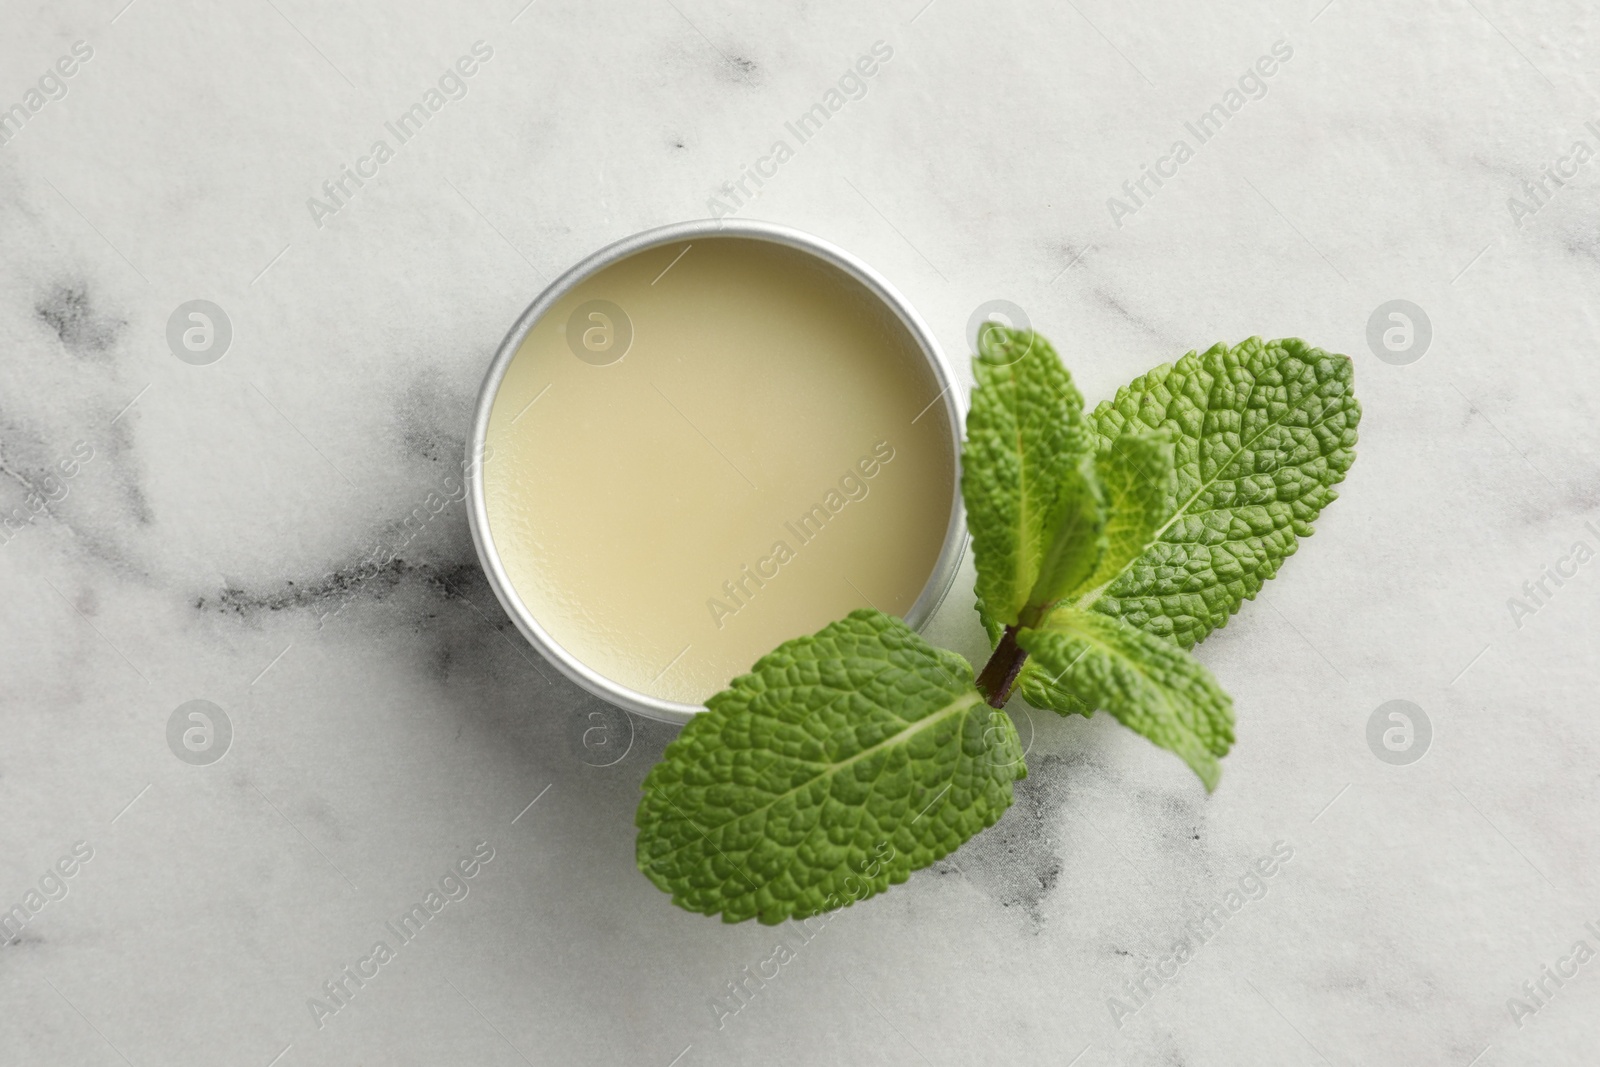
[{"x": 1000, "y": 673}]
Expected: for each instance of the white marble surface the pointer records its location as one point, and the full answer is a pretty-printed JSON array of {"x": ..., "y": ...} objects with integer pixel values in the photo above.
[{"x": 190, "y": 558}]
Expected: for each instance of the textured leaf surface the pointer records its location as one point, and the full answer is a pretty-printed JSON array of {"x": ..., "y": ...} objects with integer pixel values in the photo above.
[
  {"x": 842, "y": 762},
  {"x": 1148, "y": 683},
  {"x": 1026, "y": 434},
  {"x": 1262, "y": 433},
  {"x": 1076, "y": 541},
  {"x": 1043, "y": 689},
  {"x": 1136, "y": 475}
]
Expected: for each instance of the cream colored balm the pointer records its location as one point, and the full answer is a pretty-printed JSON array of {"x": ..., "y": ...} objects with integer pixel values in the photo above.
[{"x": 706, "y": 449}]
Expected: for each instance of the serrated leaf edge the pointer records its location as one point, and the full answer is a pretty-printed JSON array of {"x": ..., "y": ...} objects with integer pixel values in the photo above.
[
  {"x": 1089, "y": 598},
  {"x": 1209, "y": 768}
]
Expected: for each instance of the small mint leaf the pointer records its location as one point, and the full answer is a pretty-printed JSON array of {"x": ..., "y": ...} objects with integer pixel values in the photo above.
[
  {"x": 1026, "y": 438},
  {"x": 1137, "y": 473},
  {"x": 841, "y": 763},
  {"x": 993, "y": 627},
  {"x": 1262, "y": 432},
  {"x": 1044, "y": 690},
  {"x": 1076, "y": 539},
  {"x": 1148, "y": 683}
]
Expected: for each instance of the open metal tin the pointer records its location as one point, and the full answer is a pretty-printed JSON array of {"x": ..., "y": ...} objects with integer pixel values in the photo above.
[{"x": 950, "y": 399}]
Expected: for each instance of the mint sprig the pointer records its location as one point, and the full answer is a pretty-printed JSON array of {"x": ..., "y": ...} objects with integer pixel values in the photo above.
[{"x": 1106, "y": 545}]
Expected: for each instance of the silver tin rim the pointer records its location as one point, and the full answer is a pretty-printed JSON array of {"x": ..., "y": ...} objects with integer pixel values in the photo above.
[{"x": 945, "y": 567}]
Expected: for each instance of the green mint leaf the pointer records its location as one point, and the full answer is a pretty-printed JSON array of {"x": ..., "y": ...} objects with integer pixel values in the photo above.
[
  {"x": 1043, "y": 689},
  {"x": 1076, "y": 539},
  {"x": 991, "y": 626},
  {"x": 1262, "y": 433},
  {"x": 1026, "y": 441},
  {"x": 1148, "y": 683},
  {"x": 842, "y": 762},
  {"x": 1137, "y": 472}
]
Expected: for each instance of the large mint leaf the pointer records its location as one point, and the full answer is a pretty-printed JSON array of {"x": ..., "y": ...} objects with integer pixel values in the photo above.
[
  {"x": 1148, "y": 683},
  {"x": 1262, "y": 433},
  {"x": 1024, "y": 453},
  {"x": 842, "y": 762}
]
